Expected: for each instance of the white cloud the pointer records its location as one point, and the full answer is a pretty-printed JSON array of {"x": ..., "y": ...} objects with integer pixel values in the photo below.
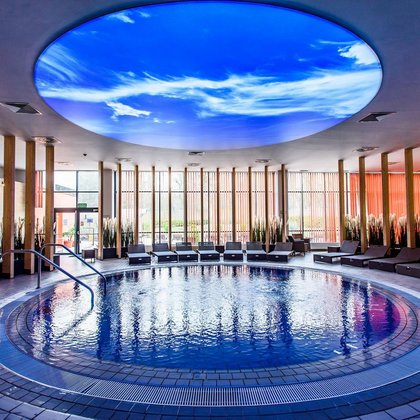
[
  {"x": 145, "y": 15},
  {"x": 122, "y": 16},
  {"x": 332, "y": 93},
  {"x": 120, "y": 109},
  {"x": 360, "y": 52}
]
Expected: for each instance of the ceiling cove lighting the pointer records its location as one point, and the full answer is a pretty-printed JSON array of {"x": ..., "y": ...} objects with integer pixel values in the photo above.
[
  {"x": 48, "y": 140},
  {"x": 208, "y": 75}
]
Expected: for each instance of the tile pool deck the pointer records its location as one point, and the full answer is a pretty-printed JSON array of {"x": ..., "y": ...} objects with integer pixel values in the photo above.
[{"x": 389, "y": 396}]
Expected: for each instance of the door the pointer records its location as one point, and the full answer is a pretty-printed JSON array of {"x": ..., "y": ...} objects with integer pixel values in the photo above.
[
  {"x": 65, "y": 229},
  {"x": 87, "y": 232}
]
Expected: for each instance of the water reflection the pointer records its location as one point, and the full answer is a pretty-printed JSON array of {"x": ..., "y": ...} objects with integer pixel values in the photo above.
[{"x": 216, "y": 317}]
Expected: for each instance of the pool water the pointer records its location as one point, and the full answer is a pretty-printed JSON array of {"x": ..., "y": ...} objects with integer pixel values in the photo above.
[{"x": 214, "y": 317}]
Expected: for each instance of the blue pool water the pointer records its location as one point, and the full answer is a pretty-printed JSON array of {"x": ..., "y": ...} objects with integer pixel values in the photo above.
[{"x": 215, "y": 317}]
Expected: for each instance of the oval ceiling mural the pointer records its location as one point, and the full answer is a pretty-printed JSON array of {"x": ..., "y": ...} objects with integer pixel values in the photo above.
[{"x": 207, "y": 75}]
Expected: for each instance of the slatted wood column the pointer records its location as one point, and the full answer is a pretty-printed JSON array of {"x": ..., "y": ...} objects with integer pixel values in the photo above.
[
  {"x": 385, "y": 199},
  {"x": 100, "y": 209},
  {"x": 409, "y": 191},
  {"x": 170, "y": 207},
  {"x": 8, "y": 267},
  {"x": 233, "y": 204},
  {"x": 118, "y": 227},
  {"x": 29, "y": 263},
  {"x": 250, "y": 201},
  {"x": 341, "y": 201},
  {"x": 362, "y": 200},
  {"x": 267, "y": 222},
  {"x": 154, "y": 205},
  {"x": 185, "y": 205},
  {"x": 218, "y": 205},
  {"x": 49, "y": 202},
  {"x": 283, "y": 207},
  {"x": 202, "y": 204}
]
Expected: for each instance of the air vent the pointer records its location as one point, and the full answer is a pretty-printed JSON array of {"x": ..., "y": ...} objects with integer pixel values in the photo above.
[
  {"x": 123, "y": 159},
  {"x": 364, "y": 149},
  {"x": 20, "y": 107},
  {"x": 376, "y": 116},
  {"x": 262, "y": 160},
  {"x": 194, "y": 164},
  {"x": 46, "y": 140},
  {"x": 195, "y": 153}
]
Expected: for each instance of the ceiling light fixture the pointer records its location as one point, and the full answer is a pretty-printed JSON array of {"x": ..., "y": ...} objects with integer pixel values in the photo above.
[
  {"x": 198, "y": 153},
  {"x": 364, "y": 149},
  {"x": 20, "y": 107},
  {"x": 262, "y": 160},
  {"x": 193, "y": 164},
  {"x": 46, "y": 140},
  {"x": 124, "y": 159},
  {"x": 376, "y": 116}
]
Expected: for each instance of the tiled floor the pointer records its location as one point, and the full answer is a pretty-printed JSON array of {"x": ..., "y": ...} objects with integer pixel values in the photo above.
[{"x": 400, "y": 399}]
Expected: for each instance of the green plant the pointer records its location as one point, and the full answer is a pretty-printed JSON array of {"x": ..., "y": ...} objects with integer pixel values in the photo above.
[
  {"x": 275, "y": 229},
  {"x": 108, "y": 233},
  {"x": 375, "y": 230},
  {"x": 352, "y": 226},
  {"x": 39, "y": 239},
  {"x": 69, "y": 234},
  {"x": 402, "y": 225},
  {"x": 258, "y": 231},
  {"x": 19, "y": 241},
  {"x": 127, "y": 234}
]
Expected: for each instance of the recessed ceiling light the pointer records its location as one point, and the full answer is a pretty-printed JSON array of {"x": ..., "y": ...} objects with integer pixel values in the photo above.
[
  {"x": 376, "y": 116},
  {"x": 124, "y": 159},
  {"x": 196, "y": 153},
  {"x": 64, "y": 163},
  {"x": 46, "y": 140},
  {"x": 364, "y": 149},
  {"x": 20, "y": 107},
  {"x": 193, "y": 164},
  {"x": 262, "y": 160}
]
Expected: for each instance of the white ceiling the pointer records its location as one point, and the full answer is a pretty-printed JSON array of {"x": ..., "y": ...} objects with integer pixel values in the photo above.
[{"x": 391, "y": 28}]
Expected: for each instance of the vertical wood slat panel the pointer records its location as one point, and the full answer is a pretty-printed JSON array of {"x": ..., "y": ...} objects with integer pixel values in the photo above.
[
  {"x": 8, "y": 267},
  {"x": 185, "y": 205},
  {"x": 385, "y": 199},
  {"x": 100, "y": 209},
  {"x": 170, "y": 207},
  {"x": 154, "y": 205},
  {"x": 362, "y": 199},
  {"x": 49, "y": 201},
  {"x": 250, "y": 201},
  {"x": 30, "y": 177},
  {"x": 409, "y": 191},
  {"x": 202, "y": 204},
  {"x": 218, "y": 205},
  {"x": 119, "y": 211},
  {"x": 341, "y": 201},
  {"x": 233, "y": 204},
  {"x": 136, "y": 204}
]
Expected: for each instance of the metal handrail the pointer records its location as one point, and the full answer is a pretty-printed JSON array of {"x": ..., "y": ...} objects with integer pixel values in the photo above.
[
  {"x": 44, "y": 258},
  {"x": 79, "y": 258}
]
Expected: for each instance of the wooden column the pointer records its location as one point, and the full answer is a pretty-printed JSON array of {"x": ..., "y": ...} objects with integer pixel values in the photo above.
[
  {"x": 202, "y": 203},
  {"x": 49, "y": 201},
  {"x": 250, "y": 201},
  {"x": 218, "y": 205},
  {"x": 409, "y": 198},
  {"x": 233, "y": 204},
  {"x": 185, "y": 205},
  {"x": 29, "y": 264},
  {"x": 154, "y": 205},
  {"x": 118, "y": 225},
  {"x": 341, "y": 201},
  {"x": 362, "y": 200},
  {"x": 385, "y": 199},
  {"x": 8, "y": 266},
  {"x": 100, "y": 210},
  {"x": 283, "y": 208},
  {"x": 136, "y": 204},
  {"x": 267, "y": 222},
  {"x": 170, "y": 207}
]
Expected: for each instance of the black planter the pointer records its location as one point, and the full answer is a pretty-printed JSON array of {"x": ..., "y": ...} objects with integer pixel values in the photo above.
[{"x": 109, "y": 253}]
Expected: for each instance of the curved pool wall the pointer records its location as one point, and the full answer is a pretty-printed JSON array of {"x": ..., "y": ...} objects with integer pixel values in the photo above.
[{"x": 247, "y": 387}]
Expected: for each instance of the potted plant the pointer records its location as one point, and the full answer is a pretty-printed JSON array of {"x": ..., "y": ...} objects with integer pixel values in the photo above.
[
  {"x": 68, "y": 237},
  {"x": 375, "y": 230},
  {"x": 19, "y": 244},
  {"x": 109, "y": 238},
  {"x": 127, "y": 237}
]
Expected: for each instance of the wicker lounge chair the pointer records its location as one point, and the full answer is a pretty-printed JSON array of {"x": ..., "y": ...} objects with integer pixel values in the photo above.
[
  {"x": 412, "y": 269},
  {"x": 406, "y": 255},
  {"x": 163, "y": 254},
  {"x": 373, "y": 252},
  {"x": 254, "y": 251},
  {"x": 185, "y": 252},
  {"x": 233, "y": 252},
  {"x": 207, "y": 252},
  {"x": 137, "y": 254},
  {"x": 347, "y": 248},
  {"x": 299, "y": 245},
  {"x": 282, "y": 251}
]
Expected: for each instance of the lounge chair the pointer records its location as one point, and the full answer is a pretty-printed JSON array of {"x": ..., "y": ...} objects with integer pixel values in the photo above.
[
  {"x": 412, "y": 269},
  {"x": 406, "y": 255},
  {"x": 185, "y": 252},
  {"x": 299, "y": 245},
  {"x": 346, "y": 249},
  {"x": 254, "y": 251},
  {"x": 163, "y": 254},
  {"x": 281, "y": 253},
  {"x": 137, "y": 255},
  {"x": 373, "y": 252},
  {"x": 233, "y": 252},
  {"x": 207, "y": 252}
]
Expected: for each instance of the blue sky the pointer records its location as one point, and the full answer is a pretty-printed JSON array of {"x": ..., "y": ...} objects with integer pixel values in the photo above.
[{"x": 210, "y": 75}]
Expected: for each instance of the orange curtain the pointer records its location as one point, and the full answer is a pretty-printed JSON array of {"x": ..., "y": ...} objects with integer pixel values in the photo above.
[
  {"x": 397, "y": 202},
  {"x": 374, "y": 194},
  {"x": 417, "y": 194}
]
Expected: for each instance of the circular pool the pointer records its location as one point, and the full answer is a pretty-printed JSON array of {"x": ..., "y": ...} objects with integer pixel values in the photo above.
[{"x": 212, "y": 318}]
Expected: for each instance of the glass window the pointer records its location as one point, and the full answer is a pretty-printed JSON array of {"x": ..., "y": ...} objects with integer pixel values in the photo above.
[
  {"x": 65, "y": 181},
  {"x": 87, "y": 180},
  {"x": 90, "y": 199},
  {"x": 65, "y": 200}
]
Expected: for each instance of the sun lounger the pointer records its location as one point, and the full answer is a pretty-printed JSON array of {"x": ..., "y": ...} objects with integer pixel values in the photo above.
[
  {"x": 233, "y": 252},
  {"x": 254, "y": 251},
  {"x": 163, "y": 254},
  {"x": 406, "y": 255},
  {"x": 185, "y": 252},
  {"x": 347, "y": 248},
  {"x": 207, "y": 252},
  {"x": 281, "y": 253},
  {"x": 137, "y": 255},
  {"x": 373, "y": 252},
  {"x": 412, "y": 269}
]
